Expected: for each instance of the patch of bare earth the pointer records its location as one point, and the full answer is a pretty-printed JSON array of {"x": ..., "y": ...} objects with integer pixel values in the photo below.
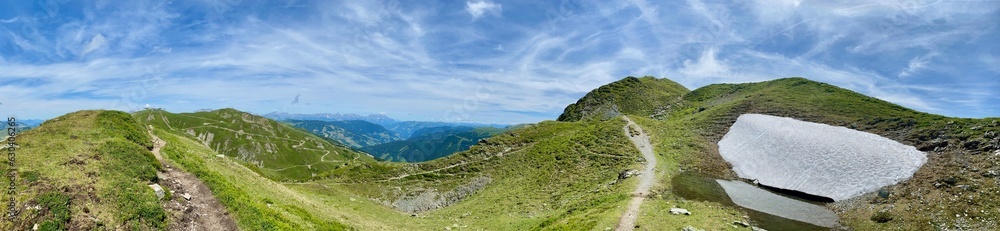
[
  {"x": 646, "y": 177},
  {"x": 192, "y": 205}
]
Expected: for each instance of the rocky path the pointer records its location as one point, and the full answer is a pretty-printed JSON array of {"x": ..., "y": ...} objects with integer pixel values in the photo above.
[
  {"x": 193, "y": 207},
  {"x": 646, "y": 177}
]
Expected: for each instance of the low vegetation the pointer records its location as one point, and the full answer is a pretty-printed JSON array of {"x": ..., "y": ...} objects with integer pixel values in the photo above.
[
  {"x": 632, "y": 96},
  {"x": 89, "y": 169},
  {"x": 273, "y": 149},
  {"x": 85, "y": 170}
]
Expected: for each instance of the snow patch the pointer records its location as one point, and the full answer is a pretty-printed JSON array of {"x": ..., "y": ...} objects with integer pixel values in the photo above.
[{"x": 817, "y": 159}]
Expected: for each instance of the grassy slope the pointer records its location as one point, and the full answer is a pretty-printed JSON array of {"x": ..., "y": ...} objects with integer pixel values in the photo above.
[
  {"x": 554, "y": 175},
  {"x": 353, "y": 133},
  {"x": 86, "y": 170},
  {"x": 915, "y": 203},
  {"x": 424, "y": 147},
  {"x": 276, "y": 150},
  {"x": 633, "y": 96},
  {"x": 255, "y": 202}
]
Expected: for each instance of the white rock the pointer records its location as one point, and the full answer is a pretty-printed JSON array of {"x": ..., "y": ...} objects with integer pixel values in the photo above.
[
  {"x": 35, "y": 227},
  {"x": 818, "y": 159},
  {"x": 157, "y": 190},
  {"x": 679, "y": 211},
  {"x": 187, "y": 196}
]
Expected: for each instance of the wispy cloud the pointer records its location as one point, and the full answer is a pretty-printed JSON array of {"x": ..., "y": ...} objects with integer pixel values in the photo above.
[
  {"x": 479, "y": 8},
  {"x": 427, "y": 61},
  {"x": 916, "y": 64}
]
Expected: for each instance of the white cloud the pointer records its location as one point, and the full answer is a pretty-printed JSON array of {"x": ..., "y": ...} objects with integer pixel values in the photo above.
[
  {"x": 94, "y": 44},
  {"x": 706, "y": 67},
  {"x": 478, "y": 9},
  {"x": 916, "y": 64}
]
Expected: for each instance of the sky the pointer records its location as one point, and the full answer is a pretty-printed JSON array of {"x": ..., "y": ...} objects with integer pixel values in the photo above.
[{"x": 480, "y": 61}]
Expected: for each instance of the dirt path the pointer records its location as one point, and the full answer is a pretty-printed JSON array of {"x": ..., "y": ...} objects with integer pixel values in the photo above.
[
  {"x": 646, "y": 177},
  {"x": 203, "y": 211}
]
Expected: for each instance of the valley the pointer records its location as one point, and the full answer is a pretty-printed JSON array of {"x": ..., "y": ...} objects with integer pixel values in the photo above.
[{"x": 620, "y": 158}]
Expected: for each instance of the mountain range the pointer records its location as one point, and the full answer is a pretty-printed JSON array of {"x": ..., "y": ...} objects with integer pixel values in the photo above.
[{"x": 94, "y": 169}]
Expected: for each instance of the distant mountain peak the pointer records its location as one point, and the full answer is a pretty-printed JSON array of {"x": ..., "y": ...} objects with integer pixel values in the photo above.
[{"x": 381, "y": 118}]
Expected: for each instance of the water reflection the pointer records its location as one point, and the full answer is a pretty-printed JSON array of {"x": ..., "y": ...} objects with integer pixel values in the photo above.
[{"x": 768, "y": 210}]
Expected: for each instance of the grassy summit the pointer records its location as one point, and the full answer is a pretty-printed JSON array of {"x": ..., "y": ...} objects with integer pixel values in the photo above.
[
  {"x": 85, "y": 170},
  {"x": 633, "y": 96}
]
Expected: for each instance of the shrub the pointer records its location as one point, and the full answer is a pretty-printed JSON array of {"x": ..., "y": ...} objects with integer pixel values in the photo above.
[
  {"x": 881, "y": 217},
  {"x": 58, "y": 205}
]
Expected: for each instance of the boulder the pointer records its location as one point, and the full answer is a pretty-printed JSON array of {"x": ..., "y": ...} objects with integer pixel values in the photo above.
[
  {"x": 679, "y": 211},
  {"x": 157, "y": 190},
  {"x": 691, "y": 228}
]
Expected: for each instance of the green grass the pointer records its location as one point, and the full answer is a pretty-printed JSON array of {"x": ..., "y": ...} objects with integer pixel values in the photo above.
[
  {"x": 244, "y": 193},
  {"x": 633, "y": 96},
  {"x": 89, "y": 170},
  {"x": 278, "y": 151},
  {"x": 710, "y": 110}
]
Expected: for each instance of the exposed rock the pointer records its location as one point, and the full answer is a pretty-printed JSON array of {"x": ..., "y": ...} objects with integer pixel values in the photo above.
[
  {"x": 187, "y": 196},
  {"x": 691, "y": 228},
  {"x": 741, "y": 224},
  {"x": 755, "y": 228},
  {"x": 679, "y": 211},
  {"x": 627, "y": 173},
  {"x": 431, "y": 199},
  {"x": 157, "y": 190}
]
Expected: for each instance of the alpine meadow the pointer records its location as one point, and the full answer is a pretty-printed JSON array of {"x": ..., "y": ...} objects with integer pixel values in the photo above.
[{"x": 500, "y": 115}]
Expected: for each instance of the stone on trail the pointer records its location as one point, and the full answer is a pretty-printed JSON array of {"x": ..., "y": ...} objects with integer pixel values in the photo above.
[{"x": 157, "y": 190}]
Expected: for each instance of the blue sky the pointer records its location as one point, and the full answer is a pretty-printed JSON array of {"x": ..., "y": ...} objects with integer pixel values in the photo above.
[{"x": 488, "y": 61}]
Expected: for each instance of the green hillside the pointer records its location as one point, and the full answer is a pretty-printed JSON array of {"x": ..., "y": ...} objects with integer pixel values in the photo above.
[
  {"x": 89, "y": 169},
  {"x": 353, "y": 133},
  {"x": 564, "y": 176},
  {"x": 275, "y": 150},
  {"x": 633, "y": 96},
  {"x": 431, "y": 143},
  {"x": 84, "y": 170},
  {"x": 959, "y": 150},
  {"x": 406, "y": 129}
]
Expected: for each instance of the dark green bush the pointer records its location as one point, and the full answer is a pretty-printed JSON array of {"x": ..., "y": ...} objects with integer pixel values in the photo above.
[
  {"x": 58, "y": 205},
  {"x": 881, "y": 217}
]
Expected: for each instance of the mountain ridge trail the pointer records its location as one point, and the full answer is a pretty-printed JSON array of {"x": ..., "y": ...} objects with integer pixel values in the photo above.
[
  {"x": 646, "y": 177},
  {"x": 203, "y": 211}
]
